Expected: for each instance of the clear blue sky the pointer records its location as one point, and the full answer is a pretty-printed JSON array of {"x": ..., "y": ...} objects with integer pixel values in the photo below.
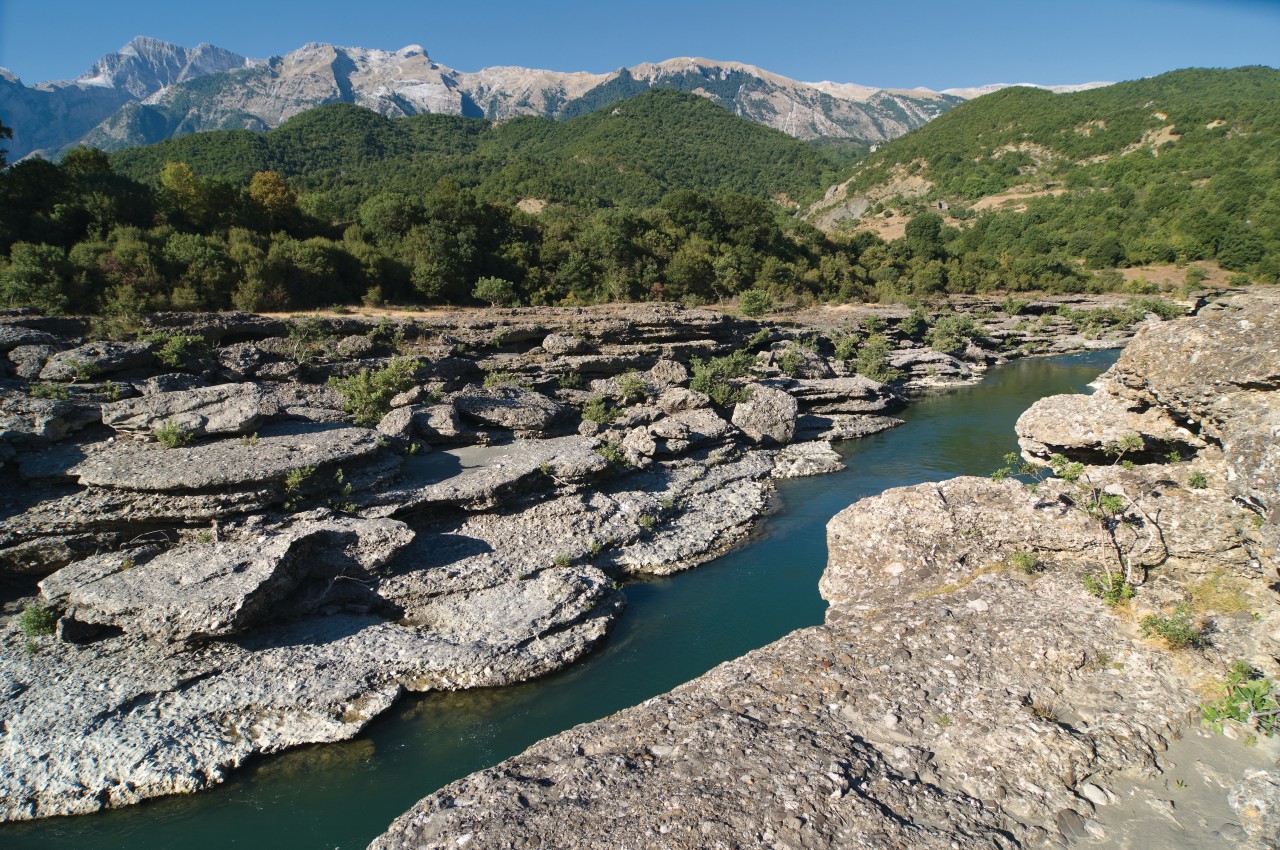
[{"x": 933, "y": 43}]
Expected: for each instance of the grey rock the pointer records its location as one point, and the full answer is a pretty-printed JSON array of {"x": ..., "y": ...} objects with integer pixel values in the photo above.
[
  {"x": 668, "y": 373},
  {"x": 799, "y": 460},
  {"x": 525, "y": 412},
  {"x": 558, "y": 344},
  {"x": 170, "y": 382},
  {"x": 98, "y": 358},
  {"x": 1256, "y": 801},
  {"x": 842, "y": 426},
  {"x": 28, "y": 360},
  {"x": 676, "y": 399},
  {"x": 15, "y": 336},
  {"x": 767, "y": 416},
  {"x": 27, "y": 421},
  {"x": 205, "y": 411},
  {"x": 1071, "y": 424},
  {"x": 356, "y": 345},
  {"x": 227, "y": 463},
  {"x": 206, "y": 590},
  {"x": 856, "y": 394}
]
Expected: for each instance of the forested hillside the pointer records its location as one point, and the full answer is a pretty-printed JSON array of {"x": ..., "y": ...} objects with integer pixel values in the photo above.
[
  {"x": 630, "y": 155},
  {"x": 664, "y": 196},
  {"x": 1170, "y": 169}
]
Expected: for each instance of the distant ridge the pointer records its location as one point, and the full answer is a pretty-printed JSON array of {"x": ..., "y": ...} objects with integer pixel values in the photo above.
[{"x": 151, "y": 90}]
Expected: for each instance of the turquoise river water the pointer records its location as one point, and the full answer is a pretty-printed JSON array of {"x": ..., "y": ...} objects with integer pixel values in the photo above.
[{"x": 343, "y": 795}]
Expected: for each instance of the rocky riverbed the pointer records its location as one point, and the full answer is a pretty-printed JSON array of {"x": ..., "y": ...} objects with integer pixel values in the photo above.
[
  {"x": 231, "y": 566},
  {"x": 967, "y": 689}
]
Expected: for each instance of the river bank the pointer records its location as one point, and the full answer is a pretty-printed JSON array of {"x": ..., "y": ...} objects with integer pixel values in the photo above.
[{"x": 132, "y": 700}]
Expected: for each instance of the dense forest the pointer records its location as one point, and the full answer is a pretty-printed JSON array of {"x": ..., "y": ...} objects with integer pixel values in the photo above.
[{"x": 664, "y": 196}]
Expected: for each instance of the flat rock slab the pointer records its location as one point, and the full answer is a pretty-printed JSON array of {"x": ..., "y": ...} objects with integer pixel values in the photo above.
[
  {"x": 522, "y": 411},
  {"x": 800, "y": 460},
  {"x": 206, "y": 590},
  {"x": 227, "y": 463},
  {"x": 27, "y": 421},
  {"x": 202, "y": 411},
  {"x": 97, "y": 358},
  {"x": 1074, "y": 423},
  {"x": 842, "y": 426},
  {"x": 12, "y": 336},
  {"x": 507, "y": 470}
]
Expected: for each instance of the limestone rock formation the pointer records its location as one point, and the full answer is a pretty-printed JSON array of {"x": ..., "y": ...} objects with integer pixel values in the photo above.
[{"x": 768, "y": 416}]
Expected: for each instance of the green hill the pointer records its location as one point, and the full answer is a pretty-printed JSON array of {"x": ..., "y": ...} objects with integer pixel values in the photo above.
[
  {"x": 629, "y": 155},
  {"x": 1173, "y": 168}
]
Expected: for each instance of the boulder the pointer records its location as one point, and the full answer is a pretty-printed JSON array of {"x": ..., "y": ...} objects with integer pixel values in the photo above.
[
  {"x": 27, "y": 421},
  {"x": 28, "y": 360},
  {"x": 526, "y": 412},
  {"x": 559, "y": 344},
  {"x": 14, "y": 336},
  {"x": 854, "y": 394},
  {"x": 668, "y": 373},
  {"x": 1086, "y": 424},
  {"x": 842, "y": 426},
  {"x": 800, "y": 460},
  {"x": 98, "y": 358},
  {"x": 204, "y": 411},
  {"x": 676, "y": 399},
  {"x": 767, "y": 416},
  {"x": 206, "y": 590},
  {"x": 930, "y": 535}
]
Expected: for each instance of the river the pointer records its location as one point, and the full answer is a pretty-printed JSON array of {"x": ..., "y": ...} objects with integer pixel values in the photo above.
[{"x": 343, "y": 795}]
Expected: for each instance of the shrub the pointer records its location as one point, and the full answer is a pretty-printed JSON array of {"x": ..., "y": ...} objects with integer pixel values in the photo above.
[
  {"x": 598, "y": 410},
  {"x": 714, "y": 377},
  {"x": 632, "y": 388},
  {"x": 367, "y": 395},
  {"x": 790, "y": 360},
  {"x": 915, "y": 325},
  {"x": 171, "y": 435},
  {"x": 846, "y": 346},
  {"x": 613, "y": 453},
  {"x": 873, "y": 360},
  {"x": 952, "y": 332},
  {"x": 1177, "y": 629},
  {"x": 755, "y": 303},
  {"x": 36, "y": 620},
  {"x": 58, "y": 392},
  {"x": 1196, "y": 480},
  {"x": 1024, "y": 562},
  {"x": 294, "y": 479},
  {"x": 177, "y": 350},
  {"x": 1247, "y": 698},
  {"x": 1111, "y": 588}
]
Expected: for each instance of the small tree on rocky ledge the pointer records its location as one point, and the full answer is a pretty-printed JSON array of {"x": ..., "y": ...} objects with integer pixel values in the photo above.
[{"x": 1130, "y": 529}]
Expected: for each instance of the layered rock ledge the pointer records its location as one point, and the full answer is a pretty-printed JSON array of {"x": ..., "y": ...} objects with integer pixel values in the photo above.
[
  {"x": 966, "y": 690},
  {"x": 239, "y": 557}
]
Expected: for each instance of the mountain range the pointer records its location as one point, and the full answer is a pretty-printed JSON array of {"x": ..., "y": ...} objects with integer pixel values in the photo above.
[{"x": 151, "y": 90}]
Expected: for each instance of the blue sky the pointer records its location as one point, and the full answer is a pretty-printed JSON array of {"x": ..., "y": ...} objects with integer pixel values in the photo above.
[{"x": 933, "y": 43}]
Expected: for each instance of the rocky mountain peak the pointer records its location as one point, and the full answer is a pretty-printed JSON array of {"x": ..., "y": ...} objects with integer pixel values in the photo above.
[{"x": 146, "y": 65}]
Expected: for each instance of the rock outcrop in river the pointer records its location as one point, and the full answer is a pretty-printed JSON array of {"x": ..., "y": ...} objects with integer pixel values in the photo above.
[
  {"x": 236, "y": 554},
  {"x": 966, "y": 689}
]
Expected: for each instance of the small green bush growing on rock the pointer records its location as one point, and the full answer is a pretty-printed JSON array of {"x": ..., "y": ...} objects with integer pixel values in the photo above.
[
  {"x": 1111, "y": 588},
  {"x": 56, "y": 392},
  {"x": 37, "y": 620},
  {"x": 293, "y": 481},
  {"x": 598, "y": 410},
  {"x": 1177, "y": 629},
  {"x": 309, "y": 338},
  {"x": 367, "y": 395},
  {"x": 632, "y": 388},
  {"x": 846, "y": 345},
  {"x": 915, "y": 325},
  {"x": 713, "y": 377},
  {"x": 178, "y": 349},
  {"x": 613, "y": 453},
  {"x": 1247, "y": 698},
  {"x": 952, "y": 332},
  {"x": 171, "y": 435},
  {"x": 1025, "y": 563},
  {"x": 873, "y": 360},
  {"x": 790, "y": 360},
  {"x": 1196, "y": 480}
]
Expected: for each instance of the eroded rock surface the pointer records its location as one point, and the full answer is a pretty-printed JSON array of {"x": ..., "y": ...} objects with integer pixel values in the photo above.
[{"x": 966, "y": 690}]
